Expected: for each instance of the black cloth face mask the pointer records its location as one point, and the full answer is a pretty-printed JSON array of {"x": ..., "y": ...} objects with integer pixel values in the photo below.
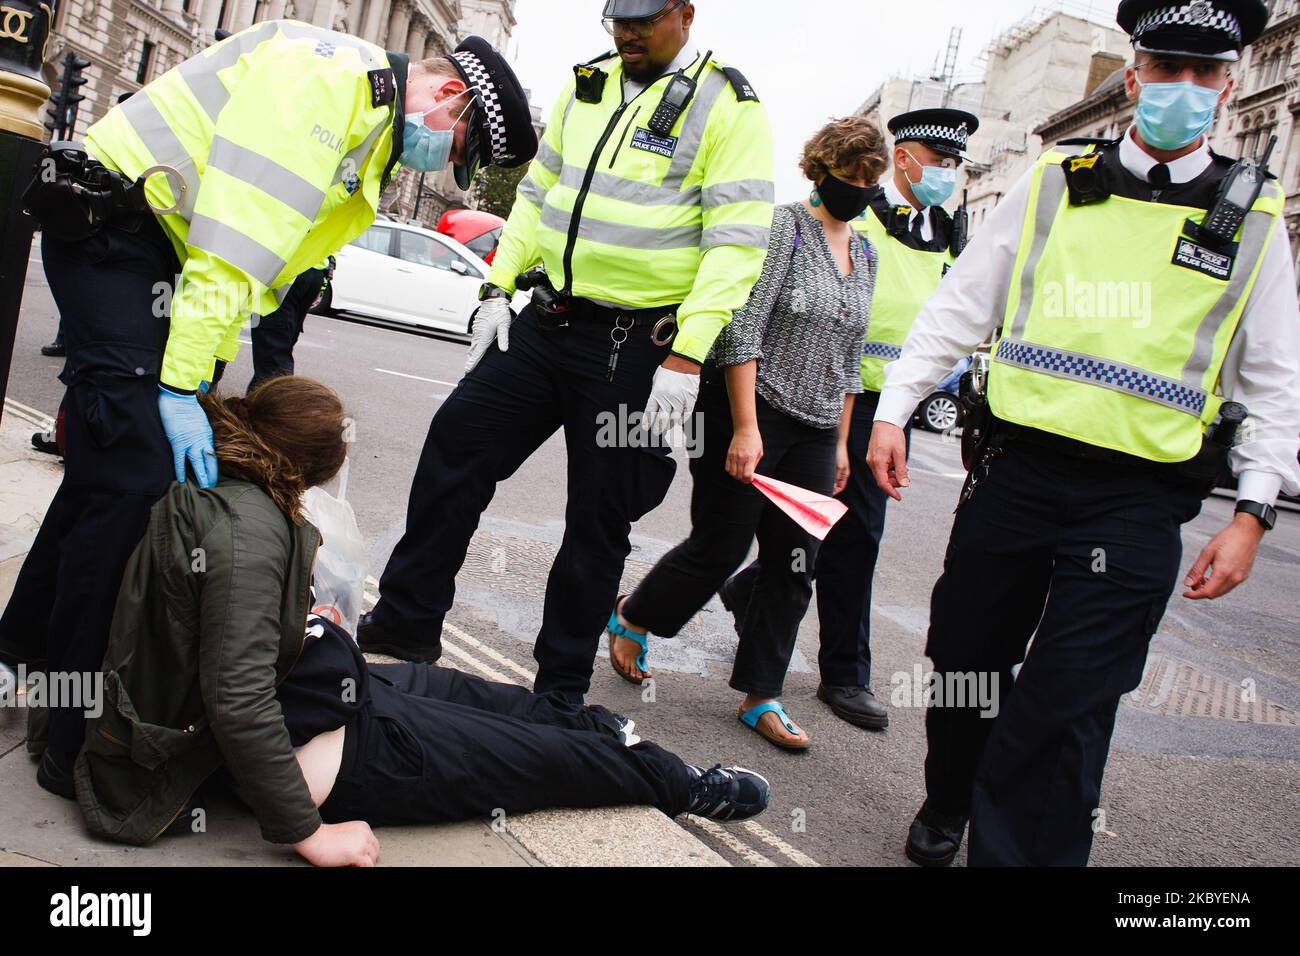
[{"x": 842, "y": 200}]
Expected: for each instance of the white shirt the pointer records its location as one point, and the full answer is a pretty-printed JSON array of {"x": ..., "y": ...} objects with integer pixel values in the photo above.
[
  {"x": 633, "y": 89},
  {"x": 1261, "y": 369},
  {"x": 895, "y": 197}
]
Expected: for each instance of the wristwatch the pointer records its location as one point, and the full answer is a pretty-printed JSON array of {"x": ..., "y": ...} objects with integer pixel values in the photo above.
[
  {"x": 1266, "y": 514},
  {"x": 489, "y": 291}
]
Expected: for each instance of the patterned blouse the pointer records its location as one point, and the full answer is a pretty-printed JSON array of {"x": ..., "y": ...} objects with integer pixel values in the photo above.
[{"x": 805, "y": 321}]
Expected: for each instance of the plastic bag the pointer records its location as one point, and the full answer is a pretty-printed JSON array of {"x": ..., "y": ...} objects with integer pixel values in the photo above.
[{"x": 342, "y": 563}]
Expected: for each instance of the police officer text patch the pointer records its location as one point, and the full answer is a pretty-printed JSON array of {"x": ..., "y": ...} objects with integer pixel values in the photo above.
[
  {"x": 382, "y": 88},
  {"x": 659, "y": 145},
  {"x": 1193, "y": 255}
]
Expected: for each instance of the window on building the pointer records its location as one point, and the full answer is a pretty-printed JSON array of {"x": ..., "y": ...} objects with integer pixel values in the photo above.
[{"x": 146, "y": 57}]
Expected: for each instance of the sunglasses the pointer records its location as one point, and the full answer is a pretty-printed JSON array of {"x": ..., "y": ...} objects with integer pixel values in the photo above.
[{"x": 641, "y": 29}]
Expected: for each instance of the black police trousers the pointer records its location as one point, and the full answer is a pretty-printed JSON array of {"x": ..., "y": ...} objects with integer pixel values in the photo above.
[
  {"x": 1081, "y": 556},
  {"x": 499, "y": 414},
  {"x": 433, "y": 744},
  {"x": 846, "y": 562},
  {"x": 726, "y": 515},
  {"x": 110, "y": 291},
  {"x": 274, "y": 336}
]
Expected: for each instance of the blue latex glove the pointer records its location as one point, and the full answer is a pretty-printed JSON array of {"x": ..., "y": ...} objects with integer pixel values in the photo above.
[{"x": 190, "y": 435}]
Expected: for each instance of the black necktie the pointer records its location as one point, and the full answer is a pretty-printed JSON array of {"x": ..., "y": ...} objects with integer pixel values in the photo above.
[
  {"x": 1158, "y": 177},
  {"x": 918, "y": 225}
]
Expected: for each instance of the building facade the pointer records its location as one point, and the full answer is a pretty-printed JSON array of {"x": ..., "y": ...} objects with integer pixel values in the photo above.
[
  {"x": 1034, "y": 69},
  {"x": 130, "y": 42}
]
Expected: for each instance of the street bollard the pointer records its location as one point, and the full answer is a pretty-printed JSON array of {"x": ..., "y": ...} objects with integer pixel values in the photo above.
[{"x": 24, "y": 29}]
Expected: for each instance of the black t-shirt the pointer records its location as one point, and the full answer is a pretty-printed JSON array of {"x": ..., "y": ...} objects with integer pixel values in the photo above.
[{"x": 327, "y": 686}]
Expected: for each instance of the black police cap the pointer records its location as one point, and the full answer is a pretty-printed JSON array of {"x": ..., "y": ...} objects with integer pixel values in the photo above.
[
  {"x": 1212, "y": 29},
  {"x": 633, "y": 9},
  {"x": 501, "y": 128},
  {"x": 943, "y": 130}
]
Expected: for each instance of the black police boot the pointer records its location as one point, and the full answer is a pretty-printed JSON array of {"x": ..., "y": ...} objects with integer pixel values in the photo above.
[
  {"x": 727, "y": 793},
  {"x": 55, "y": 775},
  {"x": 857, "y": 705},
  {"x": 373, "y": 639},
  {"x": 934, "y": 837},
  {"x": 732, "y": 603},
  {"x": 55, "y": 349}
]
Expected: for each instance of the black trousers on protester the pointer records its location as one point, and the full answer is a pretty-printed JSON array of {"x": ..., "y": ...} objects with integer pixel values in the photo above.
[
  {"x": 846, "y": 563},
  {"x": 725, "y": 517},
  {"x": 1082, "y": 556},
  {"x": 499, "y": 414},
  {"x": 275, "y": 335},
  {"x": 117, "y": 458},
  {"x": 433, "y": 744}
]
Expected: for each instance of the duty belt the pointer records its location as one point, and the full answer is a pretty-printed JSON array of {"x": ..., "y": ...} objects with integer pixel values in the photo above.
[
  {"x": 662, "y": 320},
  {"x": 1071, "y": 448}
]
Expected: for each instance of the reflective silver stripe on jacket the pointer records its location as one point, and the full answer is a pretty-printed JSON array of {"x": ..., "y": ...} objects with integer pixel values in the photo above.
[
  {"x": 1105, "y": 373},
  {"x": 628, "y": 190},
  {"x": 618, "y": 234},
  {"x": 166, "y": 149},
  {"x": 551, "y": 161},
  {"x": 266, "y": 175},
  {"x": 531, "y": 190},
  {"x": 200, "y": 72},
  {"x": 1254, "y": 240},
  {"x": 243, "y": 252},
  {"x": 1051, "y": 191},
  {"x": 735, "y": 234},
  {"x": 692, "y": 134},
  {"x": 742, "y": 190}
]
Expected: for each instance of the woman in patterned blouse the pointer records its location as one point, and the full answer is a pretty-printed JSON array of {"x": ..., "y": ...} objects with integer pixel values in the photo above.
[{"x": 776, "y": 400}]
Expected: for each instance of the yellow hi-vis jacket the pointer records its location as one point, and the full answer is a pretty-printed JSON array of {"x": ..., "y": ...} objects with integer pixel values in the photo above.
[
  {"x": 282, "y": 134},
  {"x": 905, "y": 279},
  {"x": 622, "y": 215},
  {"x": 1117, "y": 324}
]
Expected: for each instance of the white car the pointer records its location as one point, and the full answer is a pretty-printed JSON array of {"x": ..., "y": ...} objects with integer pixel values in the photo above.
[{"x": 407, "y": 275}]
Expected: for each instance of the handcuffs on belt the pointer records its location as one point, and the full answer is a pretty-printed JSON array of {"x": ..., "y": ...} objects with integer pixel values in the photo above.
[{"x": 72, "y": 195}]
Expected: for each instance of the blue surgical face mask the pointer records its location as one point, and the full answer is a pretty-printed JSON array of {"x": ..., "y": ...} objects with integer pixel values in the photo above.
[
  {"x": 1174, "y": 115},
  {"x": 936, "y": 185},
  {"x": 428, "y": 150}
]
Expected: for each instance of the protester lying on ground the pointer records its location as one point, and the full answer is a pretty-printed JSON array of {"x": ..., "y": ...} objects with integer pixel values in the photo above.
[{"x": 208, "y": 665}]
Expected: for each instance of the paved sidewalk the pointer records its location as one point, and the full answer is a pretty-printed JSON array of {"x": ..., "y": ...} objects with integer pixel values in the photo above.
[{"x": 38, "y": 829}]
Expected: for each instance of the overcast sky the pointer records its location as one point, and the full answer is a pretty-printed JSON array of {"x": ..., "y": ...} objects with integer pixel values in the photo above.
[{"x": 809, "y": 60}]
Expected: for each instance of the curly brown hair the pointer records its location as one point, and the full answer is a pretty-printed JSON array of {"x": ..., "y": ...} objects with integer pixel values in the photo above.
[
  {"x": 853, "y": 145},
  {"x": 288, "y": 435}
]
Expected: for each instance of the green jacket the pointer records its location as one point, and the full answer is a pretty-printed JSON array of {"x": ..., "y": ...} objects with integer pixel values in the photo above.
[{"x": 210, "y": 618}]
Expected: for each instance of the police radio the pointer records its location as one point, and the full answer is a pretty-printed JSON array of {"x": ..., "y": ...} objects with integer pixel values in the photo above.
[
  {"x": 680, "y": 92},
  {"x": 1237, "y": 195},
  {"x": 961, "y": 225},
  {"x": 590, "y": 79}
]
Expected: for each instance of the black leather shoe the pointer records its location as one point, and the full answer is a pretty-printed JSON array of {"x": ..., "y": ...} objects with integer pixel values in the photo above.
[
  {"x": 45, "y": 442},
  {"x": 857, "y": 705},
  {"x": 373, "y": 639},
  {"x": 55, "y": 349},
  {"x": 730, "y": 602},
  {"x": 55, "y": 777},
  {"x": 934, "y": 838}
]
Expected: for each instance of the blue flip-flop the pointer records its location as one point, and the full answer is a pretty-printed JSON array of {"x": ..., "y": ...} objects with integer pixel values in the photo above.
[
  {"x": 751, "y": 717},
  {"x": 642, "y": 663}
]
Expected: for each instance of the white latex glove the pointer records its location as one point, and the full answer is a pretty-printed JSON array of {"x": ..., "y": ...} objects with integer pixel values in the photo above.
[
  {"x": 672, "y": 397},
  {"x": 491, "y": 321}
]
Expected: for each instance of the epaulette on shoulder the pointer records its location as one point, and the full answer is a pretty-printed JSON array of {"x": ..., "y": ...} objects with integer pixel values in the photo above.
[{"x": 744, "y": 90}]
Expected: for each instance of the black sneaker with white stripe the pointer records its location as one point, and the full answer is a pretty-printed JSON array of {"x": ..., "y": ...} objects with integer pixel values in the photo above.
[{"x": 727, "y": 793}]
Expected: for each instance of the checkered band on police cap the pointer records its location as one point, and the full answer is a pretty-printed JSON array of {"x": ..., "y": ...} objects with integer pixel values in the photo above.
[
  {"x": 496, "y": 121},
  {"x": 1201, "y": 14},
  {"x": 958, "y": 136}
]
